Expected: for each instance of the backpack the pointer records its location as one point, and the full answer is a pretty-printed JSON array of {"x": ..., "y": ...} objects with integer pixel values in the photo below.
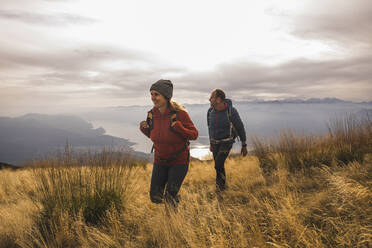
[
  {"x": 233, "y": 131},
  {"x": 173, "y": 115}
]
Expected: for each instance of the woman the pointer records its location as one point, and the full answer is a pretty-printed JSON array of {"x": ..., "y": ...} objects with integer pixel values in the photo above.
[{"x": 170, "y": 128}]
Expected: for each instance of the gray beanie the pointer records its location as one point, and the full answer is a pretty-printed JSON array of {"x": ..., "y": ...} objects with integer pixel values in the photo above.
[{"x": 164, "y": 87}]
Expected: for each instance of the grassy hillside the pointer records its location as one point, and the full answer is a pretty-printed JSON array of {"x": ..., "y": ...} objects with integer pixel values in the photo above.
[
  {"x": 329, "y": 208},
  {"x": 296, "y": 192}
]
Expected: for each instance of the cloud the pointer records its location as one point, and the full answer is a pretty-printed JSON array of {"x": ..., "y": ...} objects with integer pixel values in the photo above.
[
  {"x": 88, "y": 57},
  {"x": 81, "y": 77},
  {"x": 343, "y": 25},
  {"x": 344, "y": 22},
  {"x": 58, "y": 19},
  {"x": 97, "y": 72},
  {"x": 46, "y": 67},
  {"x": 344, "y": 78}
]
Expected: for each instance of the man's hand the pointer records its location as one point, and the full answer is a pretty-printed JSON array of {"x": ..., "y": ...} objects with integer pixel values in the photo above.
[
  {"x": 244, "y": 151},
  {"x": 144, "y": 125},
  {"x": 210, "y": 148}
]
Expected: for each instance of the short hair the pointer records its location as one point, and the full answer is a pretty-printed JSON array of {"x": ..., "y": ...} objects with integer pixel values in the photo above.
[{"x": 220, "y": 94}]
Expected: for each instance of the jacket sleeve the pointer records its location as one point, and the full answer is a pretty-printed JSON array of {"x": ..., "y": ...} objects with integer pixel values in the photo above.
[
  {"x": 238, "y": 124},
  {"x": 185, "y": 127},
  {"x": 208, "y": 121}
]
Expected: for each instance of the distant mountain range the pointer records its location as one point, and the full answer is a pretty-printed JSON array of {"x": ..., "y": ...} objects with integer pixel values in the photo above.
[
  {"x": 310, "y": 100},
  {"x": 327, "y": 100},
  {"x": 33, "y": 135}
]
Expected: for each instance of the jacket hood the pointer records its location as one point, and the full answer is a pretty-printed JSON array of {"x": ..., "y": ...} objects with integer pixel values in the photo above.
[{"x": 229, "y": 102}]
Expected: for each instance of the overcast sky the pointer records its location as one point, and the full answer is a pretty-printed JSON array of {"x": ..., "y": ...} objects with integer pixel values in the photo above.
[{"x": 71, "y": 54}]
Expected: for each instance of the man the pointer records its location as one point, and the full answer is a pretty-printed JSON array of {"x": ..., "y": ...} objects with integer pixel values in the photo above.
[{"x": 224, "y": 125}]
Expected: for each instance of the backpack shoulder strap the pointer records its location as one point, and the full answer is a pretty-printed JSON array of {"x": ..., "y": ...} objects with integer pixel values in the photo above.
[
  {"x": 149, "y": 120},
  {"x": 229, "y": 112},
  {"x": 208, "y": 114},
  {"x": 233, "y": 131},
  {"x": 173, "y": 115}
]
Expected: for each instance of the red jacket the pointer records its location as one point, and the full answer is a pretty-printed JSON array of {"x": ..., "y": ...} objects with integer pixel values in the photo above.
[{"x": 166, "y": 141}]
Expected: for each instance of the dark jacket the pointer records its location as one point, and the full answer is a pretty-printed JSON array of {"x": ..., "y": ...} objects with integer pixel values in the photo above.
[
  {"x": 219, "y": 124},
  {"x": 167, "y": 141}
]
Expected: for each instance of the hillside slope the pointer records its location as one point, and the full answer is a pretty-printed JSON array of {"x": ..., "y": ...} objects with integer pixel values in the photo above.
[{"x": 330, "y": 207}]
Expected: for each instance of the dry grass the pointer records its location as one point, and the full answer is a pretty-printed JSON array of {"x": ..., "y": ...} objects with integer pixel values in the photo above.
[
  {"x": 349, "y": 139},
  {"x": 329, "y": 208}
]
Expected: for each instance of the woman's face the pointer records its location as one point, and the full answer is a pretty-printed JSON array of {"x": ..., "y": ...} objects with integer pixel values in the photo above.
[{"x": 158, "y": 99}]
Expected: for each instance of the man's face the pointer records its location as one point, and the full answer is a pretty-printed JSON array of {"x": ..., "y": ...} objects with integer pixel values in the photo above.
[{"x": 213, "y": 100}]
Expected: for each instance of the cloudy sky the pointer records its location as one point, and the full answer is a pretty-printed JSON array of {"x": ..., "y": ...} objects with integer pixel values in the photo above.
[{"x": 71, "y": 54}]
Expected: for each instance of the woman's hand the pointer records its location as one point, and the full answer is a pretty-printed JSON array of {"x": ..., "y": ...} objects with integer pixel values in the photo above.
[{"x": 144, "y": 125}]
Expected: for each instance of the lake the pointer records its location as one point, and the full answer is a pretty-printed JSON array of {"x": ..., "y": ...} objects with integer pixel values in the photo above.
[{"x": 260, "y": 119}]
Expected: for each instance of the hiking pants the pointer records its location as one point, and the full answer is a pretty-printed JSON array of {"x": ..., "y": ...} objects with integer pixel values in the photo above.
[
  {"x": 220, "y": 153},
  {"x": 169, "y": 178}
]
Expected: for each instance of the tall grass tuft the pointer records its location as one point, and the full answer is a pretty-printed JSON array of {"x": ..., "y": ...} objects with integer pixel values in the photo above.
[
  {"x": 348, "y": 140},
  {"x": 82, "y": 187},
  {"x": 265, "y": 155},
  {"x": 302, "y": 152},
  {"x": 90, "y": 190},
  {"x": 351, "y": 138}
]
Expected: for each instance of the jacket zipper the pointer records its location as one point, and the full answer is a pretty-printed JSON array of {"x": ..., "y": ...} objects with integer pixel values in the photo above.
[{"x": 215, "y": 124}]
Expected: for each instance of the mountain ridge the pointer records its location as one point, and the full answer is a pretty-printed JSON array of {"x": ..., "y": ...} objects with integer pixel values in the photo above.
[
  {"x": 32, "y": 135},
  {"x": 326, "y": 100}
]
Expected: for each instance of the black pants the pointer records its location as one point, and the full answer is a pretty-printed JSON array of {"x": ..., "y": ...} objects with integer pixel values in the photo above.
[
  {"x": 220, "y": 153},
  {"x": 169, "y": 178}
]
